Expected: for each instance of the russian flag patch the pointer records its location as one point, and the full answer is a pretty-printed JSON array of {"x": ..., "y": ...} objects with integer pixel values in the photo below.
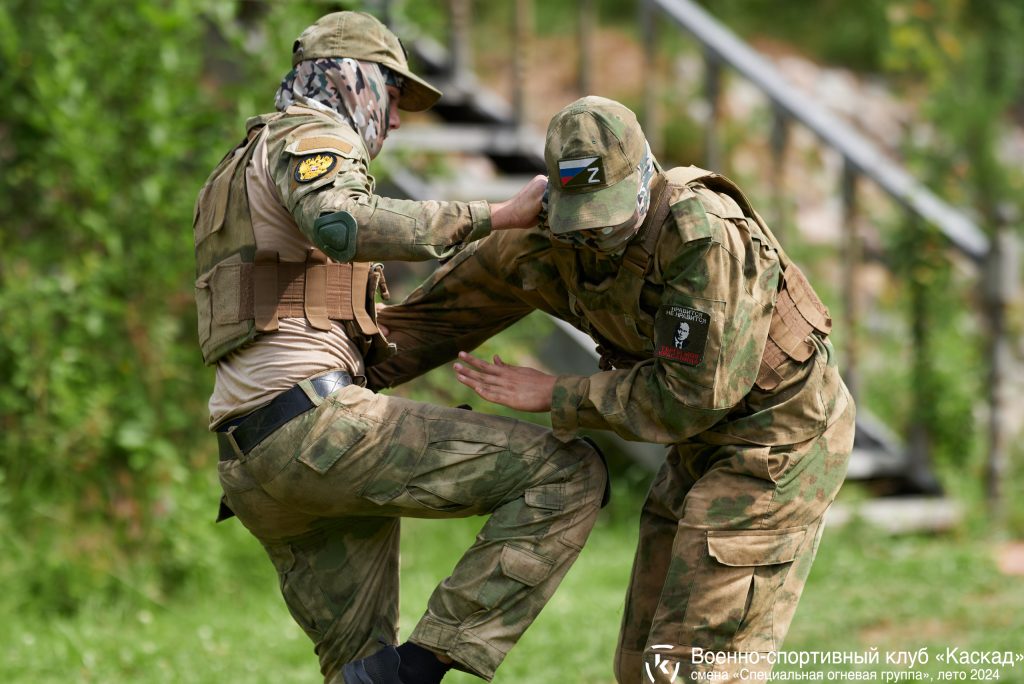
[{"x": 580, "y": 173}]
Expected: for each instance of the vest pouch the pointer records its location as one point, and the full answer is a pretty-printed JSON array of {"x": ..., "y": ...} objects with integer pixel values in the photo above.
[
  {"x": 807, "y": 302},
  {"x": 204, "y": 308},
  {"x": 379, "y": 350},
  {"x": 219, "y": 292},
  {"x": 212, "y": 206},
  {"x": 798, "y": 313}
]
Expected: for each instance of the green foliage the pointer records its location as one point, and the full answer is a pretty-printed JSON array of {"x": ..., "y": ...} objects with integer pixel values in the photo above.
[
  {"x": 852, "y": 34},
  {"x": 102, "y": 394},
  {"x": 965, "y": 60},
  {"x": 113, "y": 114},
  {"x": 968, "y": 58},
  {"x": 943, "y": 375},
  {"x": 866, "y": 590}
]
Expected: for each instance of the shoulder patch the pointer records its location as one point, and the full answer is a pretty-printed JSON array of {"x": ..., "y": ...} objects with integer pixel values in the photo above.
[
  {"x": 681, "y": 334},
  {"x": 314, "y": 166},
  {"x": 323, "y": 142}
]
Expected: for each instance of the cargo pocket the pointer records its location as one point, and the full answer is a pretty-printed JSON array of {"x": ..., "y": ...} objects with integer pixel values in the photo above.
[
  {"x": 736, "y": 593},
  {"x": 518, "y": 569},
  {"x": 399, "y": 460},
  {"x": 548, "y": 497},
  {"x": 331, "y": 439},
  {"x": 234, "y": 477},
  {"x": 463, "y": 465}
]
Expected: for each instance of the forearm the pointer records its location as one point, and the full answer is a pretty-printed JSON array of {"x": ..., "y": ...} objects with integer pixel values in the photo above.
[
  {"x": 428, "y": 336},
  {"x": 462, "y": 304},
  {"x": 636, "y": 404},
  {"x": 363, "y": 227}
]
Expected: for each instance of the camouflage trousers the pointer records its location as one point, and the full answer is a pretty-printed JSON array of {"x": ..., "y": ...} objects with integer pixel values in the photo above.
[
  {"x": 727, "y": 538},
  {"x": 325, "y": 492}
]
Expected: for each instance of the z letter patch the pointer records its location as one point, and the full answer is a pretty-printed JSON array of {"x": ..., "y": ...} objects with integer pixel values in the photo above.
[
  {"x": 581, "y": 173},
  {"x": 681, "y": 334},
  {"x": 314, "y": 166}
]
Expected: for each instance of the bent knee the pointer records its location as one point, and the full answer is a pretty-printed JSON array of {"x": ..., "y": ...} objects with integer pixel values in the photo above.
[{"x": 590, "y": 471}]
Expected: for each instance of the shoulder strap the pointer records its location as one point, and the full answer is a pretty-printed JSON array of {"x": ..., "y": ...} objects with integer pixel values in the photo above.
[
  {"x": 683, "y": 175},
  {"x": 637, "y": 258},
  {"x": 719, "y": 183}
]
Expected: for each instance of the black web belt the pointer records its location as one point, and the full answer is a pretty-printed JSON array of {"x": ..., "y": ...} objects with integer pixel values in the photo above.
[{"x": 252, "y": 428}]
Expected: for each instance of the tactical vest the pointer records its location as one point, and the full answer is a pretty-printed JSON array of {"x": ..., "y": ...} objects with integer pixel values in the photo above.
[
  {"x": 241, "y": 291},
  {"x": 798, "y": 311}
]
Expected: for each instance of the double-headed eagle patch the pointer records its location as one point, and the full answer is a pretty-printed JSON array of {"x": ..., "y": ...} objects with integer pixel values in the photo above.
[{"x": 314, "y": 166}]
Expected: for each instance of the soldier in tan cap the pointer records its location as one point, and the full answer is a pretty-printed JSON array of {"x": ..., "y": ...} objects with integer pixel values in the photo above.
[
  {"x": 712, "y": 343},
  {"x": 319, "y": 468}
]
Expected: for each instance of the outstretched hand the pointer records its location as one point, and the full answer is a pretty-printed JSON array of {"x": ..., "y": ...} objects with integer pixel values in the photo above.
[
  {"x": 517, "y": 387},
  {"x": 522, "y": 209}
]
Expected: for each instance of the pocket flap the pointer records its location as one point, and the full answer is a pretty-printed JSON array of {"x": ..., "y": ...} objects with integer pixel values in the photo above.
[
  {"x": 807, "y": 301},
  {"x": 524, "y": 566},
  {"x": 755, "y": 547},
  {"x": 330, "y": 440},
  {"x": 550, "y": 496}
]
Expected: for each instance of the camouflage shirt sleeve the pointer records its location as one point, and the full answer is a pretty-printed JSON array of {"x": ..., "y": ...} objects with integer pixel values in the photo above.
[
  {"x": 708, "y": 336},
  {"x": 320, "y": 168},
  {"x": 469, "y": 299}
]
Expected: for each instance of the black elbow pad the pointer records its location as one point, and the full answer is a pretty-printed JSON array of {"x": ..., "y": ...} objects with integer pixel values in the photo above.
[{"x": 335, "y": 234}]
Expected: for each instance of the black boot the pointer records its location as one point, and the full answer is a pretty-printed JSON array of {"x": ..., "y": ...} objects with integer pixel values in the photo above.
[{"x": 379, "y": 668}]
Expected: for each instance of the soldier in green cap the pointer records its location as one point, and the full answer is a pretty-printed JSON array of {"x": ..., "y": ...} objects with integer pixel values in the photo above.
[
  {"x": 319, "y": 468},
  {"x": 712, "y": 343}
]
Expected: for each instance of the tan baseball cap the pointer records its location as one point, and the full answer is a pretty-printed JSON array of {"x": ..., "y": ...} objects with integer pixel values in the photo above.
[
  {"x": 362, "y": 36},
  {"x": 592, "y": 151}
]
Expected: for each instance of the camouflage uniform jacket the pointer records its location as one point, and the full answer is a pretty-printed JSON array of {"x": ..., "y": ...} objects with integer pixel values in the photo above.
[
  {"x": 713, "y": 267},
  {"x": 316, "y": 167},
  {"x": 388, "y": 229}
]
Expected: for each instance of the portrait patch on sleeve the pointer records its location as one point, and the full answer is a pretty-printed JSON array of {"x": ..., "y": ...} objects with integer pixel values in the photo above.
[
  {"x": 681, "y": 334},
  {"x": 314, "y": 166}
]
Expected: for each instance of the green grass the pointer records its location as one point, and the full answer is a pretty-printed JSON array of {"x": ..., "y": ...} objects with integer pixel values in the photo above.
[{"x": 866, "y": 590}]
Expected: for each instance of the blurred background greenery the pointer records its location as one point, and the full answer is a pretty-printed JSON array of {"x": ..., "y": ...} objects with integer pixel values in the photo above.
[{"x": 114, "y": 111}]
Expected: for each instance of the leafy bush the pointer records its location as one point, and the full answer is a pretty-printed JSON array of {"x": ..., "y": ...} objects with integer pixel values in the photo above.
[{"x": 113, "y": 115}]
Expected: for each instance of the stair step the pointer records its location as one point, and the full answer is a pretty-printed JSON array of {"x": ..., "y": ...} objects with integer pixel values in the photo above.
[
  {"x": 470, "y": 139},
  {"x": 494, "y": 189},
  {"x": 900, "y": 515}
]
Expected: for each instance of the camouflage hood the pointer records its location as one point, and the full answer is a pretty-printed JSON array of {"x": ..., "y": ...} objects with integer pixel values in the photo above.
[{"x": 356, "y": 90}]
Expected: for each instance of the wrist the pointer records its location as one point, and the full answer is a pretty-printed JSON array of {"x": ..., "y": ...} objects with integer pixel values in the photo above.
[{"x": 498, "y": 215}]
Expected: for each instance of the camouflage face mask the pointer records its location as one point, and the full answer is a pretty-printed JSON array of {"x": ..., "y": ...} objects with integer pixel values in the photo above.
[
  {"x": 355, "y": 90},
  {"x": 612, "y": 240}
]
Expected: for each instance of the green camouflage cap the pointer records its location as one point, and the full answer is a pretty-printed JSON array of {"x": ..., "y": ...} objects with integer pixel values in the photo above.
[
  {"x": 592, "y": 151},
  {"x": 361, "y": 36}
]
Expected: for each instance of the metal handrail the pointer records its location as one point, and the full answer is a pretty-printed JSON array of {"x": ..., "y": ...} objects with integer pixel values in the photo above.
[{"x": 865, "y": 157}]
